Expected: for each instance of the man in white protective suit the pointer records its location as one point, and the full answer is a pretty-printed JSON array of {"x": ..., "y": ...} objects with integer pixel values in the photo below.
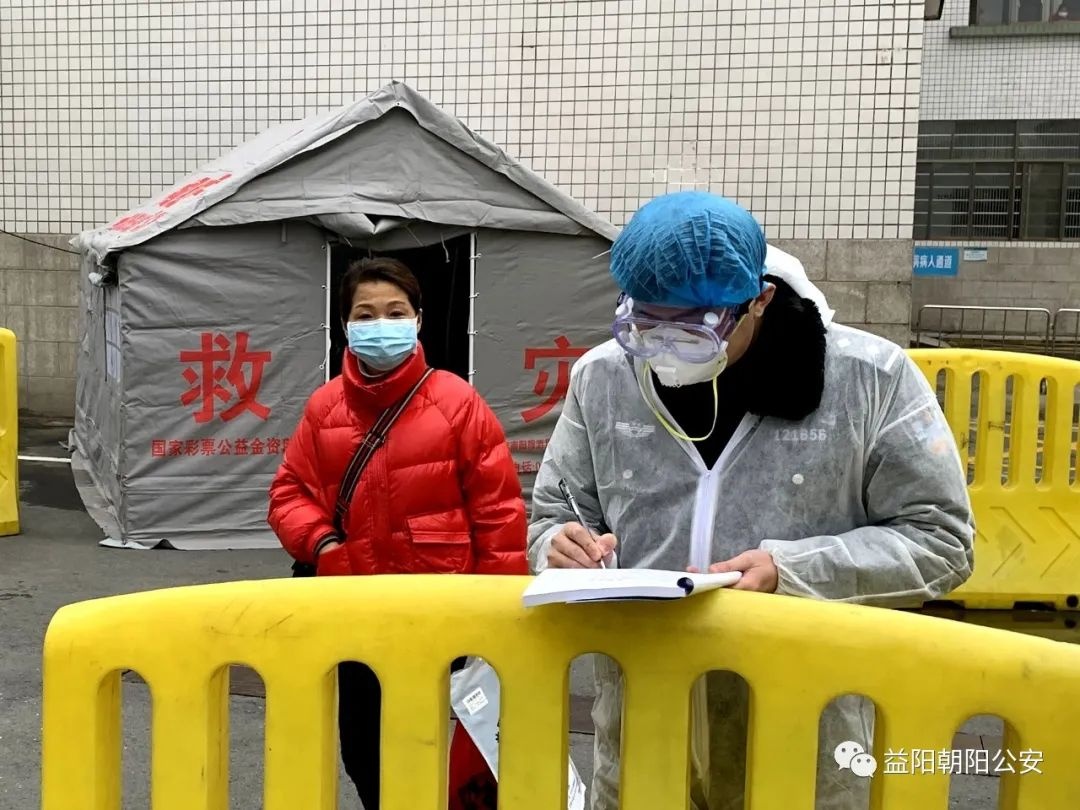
[{"x": 732, "y": 425}]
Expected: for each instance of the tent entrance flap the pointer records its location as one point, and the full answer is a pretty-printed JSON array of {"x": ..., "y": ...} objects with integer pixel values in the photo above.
[{"x": 443, "y": 272}]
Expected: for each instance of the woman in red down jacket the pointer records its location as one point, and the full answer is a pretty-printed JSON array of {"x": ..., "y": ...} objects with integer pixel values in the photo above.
[{"x": 441, "y": 495}]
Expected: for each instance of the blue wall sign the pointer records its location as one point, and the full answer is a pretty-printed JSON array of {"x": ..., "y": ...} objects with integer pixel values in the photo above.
[{"x": 935, "y": 261}]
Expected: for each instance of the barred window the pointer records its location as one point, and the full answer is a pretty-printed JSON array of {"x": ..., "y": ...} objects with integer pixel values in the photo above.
[
  {"x": 998, "y": 180},
  {"x": 1011, "y": 12}
]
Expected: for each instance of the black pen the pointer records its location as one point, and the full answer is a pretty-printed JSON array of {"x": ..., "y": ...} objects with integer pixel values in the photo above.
[{"x": 568, "y": 496}]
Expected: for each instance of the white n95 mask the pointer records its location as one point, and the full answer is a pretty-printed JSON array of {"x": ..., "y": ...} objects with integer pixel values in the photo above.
[{"x": 674, "y": 371}]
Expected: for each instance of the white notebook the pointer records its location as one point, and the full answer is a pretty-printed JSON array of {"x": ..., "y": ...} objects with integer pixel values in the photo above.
[{"x": 572, "y": 585}]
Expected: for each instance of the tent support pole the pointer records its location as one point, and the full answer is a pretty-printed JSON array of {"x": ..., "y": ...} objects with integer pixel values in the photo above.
[
  {"x": 473, "y": 256},
  {"x": 326, "y": 315}
]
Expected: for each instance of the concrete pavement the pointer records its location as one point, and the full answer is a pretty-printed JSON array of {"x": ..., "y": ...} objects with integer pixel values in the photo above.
[{"x": 57, "y": 561}]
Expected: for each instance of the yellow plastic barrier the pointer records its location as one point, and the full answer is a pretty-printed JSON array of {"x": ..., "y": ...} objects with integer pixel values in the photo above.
[
  {"x": 926, "y": 675},
  {"x": 1055, "y": 625},
  {"x": 1016, "y": 431},
  {"x": 9, "y": 435}
]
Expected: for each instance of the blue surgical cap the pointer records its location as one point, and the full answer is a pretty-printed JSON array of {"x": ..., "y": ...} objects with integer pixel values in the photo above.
[{"x": 690, "y": 249}]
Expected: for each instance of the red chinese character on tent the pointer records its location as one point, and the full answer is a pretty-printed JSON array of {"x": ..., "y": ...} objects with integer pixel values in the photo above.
[
  {"x": 176, "y": 448},
  {"x": 225, "y": 448},
  {"x": 564, "y": 354},
  {"x": 209, "y": 447},
  {"x": 273, "y": 446},
  {"x": 139, "y": 220},
  {"x": 220, "y": 361},
  {"x": 240, "y": 447},
  {"x": 133, "y": 222},
  {"x": 157, "y": 448},
  {"x": 191, "y": 447},
  {"x": 256, "y": 447},
  {"x": 192, "y": 189}
]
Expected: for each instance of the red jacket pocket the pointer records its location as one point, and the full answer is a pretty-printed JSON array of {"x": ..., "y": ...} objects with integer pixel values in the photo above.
[{"x": 438, "y": 550}]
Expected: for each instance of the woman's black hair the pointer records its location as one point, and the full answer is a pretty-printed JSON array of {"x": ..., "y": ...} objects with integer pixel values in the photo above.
[{"x": 385, "y": 269}]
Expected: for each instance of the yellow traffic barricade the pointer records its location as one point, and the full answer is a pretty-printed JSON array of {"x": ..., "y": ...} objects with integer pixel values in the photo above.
[
  {"x": 1014, "y": 417},
  {"x": 795, "y": 654},
  {"x": 9, "y": 434},
  {"x": 1056, "y": 625}
]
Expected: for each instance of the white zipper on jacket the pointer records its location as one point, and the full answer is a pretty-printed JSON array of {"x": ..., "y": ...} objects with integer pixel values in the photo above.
[
  {"x": 708, "y": 492},
  {"x": 701, "y": 526}
]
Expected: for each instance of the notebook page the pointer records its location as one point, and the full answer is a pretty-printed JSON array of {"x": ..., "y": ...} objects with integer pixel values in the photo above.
[{"x": 582, "y": 584}]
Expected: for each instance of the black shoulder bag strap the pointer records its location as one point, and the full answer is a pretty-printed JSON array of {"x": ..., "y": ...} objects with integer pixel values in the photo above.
[{"x": 371, "y": 442}]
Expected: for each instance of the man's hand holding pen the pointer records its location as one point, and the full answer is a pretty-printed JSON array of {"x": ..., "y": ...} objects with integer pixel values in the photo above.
[{"x": 576, "y": 547}]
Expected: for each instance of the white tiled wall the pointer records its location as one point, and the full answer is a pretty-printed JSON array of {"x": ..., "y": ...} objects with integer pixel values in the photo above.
[
  {"x": 999, "y": 78},
  {"x": 806, "y": 111}
]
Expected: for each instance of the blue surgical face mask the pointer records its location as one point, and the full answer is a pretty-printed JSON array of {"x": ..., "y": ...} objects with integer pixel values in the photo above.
[{"x": 383, "y": 344}]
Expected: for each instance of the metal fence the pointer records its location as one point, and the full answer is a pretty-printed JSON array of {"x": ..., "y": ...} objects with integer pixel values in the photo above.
[
  {"x": 1065, "y": 334},
  {"x": 1024, "y": 329}
]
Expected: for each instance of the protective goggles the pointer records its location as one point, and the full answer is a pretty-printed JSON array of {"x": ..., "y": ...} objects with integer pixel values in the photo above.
[{"x": 692, "y": 335}]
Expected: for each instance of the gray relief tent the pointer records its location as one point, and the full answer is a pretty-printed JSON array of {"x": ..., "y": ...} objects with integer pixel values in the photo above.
[{"x": 208, "y": 315}]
